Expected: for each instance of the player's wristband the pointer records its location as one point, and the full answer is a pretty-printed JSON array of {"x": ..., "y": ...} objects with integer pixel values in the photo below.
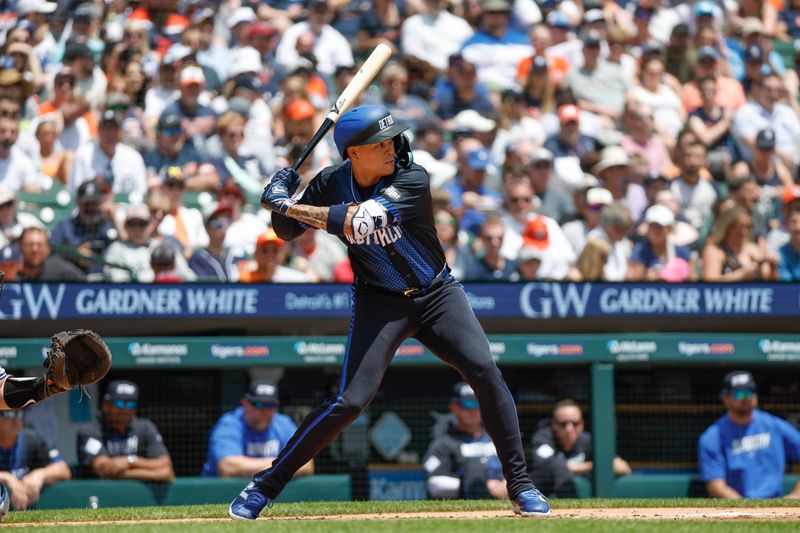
[{"x": 336, "y": 216}]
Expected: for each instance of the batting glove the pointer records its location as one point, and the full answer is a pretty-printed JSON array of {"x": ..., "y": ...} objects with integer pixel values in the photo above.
[{"x": 276, "y": 196}]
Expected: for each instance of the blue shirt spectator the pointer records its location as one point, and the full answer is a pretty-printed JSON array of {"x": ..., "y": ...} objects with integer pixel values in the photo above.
[
  {"x": 789, "y": 265},
  {"x": 744, "y": 453},
  {"x": 247, "y": 439}
]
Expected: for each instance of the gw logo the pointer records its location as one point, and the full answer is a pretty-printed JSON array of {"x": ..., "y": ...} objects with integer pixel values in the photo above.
[{"x": 386, "y": 122}]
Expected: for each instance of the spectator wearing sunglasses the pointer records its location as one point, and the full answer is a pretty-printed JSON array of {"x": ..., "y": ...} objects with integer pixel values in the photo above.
[
  {"x": 744, "y": 453},
  {"x": 247, "y": 439},
  {"x": 561, "y": 450},
  {"x": 27, "y": 463},
  {"x": 174, "y": 149},
  {"x": 217, "y": 262},
  {"x": 120, "y": 445},
  {"x": 462, "y": 462}
]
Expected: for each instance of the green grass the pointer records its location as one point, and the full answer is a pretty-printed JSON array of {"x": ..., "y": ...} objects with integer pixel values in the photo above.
[{"x": 58, "y": 520}]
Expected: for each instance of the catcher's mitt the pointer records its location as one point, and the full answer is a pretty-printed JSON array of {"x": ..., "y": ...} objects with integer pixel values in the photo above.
[{"x": 75, "y": 358}]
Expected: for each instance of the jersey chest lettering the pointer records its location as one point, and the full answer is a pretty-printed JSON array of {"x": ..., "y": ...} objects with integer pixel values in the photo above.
[
  {"x": 751, "y": 443},
  {"x": 263, "y": 449},
  {"x": 127, "y": 446},
  {"x": 478, "y": 449},
  {"x": 382, "y": 237}
]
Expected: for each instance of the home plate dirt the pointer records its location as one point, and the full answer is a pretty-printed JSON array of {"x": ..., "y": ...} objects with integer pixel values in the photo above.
[{"x": 773, "y": 514}]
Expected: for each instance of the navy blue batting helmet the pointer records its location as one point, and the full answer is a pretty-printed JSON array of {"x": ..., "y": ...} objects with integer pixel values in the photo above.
[{"x": 365, "y": 124}]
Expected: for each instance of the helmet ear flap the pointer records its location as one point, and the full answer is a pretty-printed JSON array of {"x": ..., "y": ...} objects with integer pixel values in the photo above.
[{"x": 402, "y": 151}]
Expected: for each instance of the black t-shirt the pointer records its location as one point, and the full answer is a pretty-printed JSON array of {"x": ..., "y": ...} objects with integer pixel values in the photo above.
[
  {"x": 142, "y": 439},
  {"x": 28, "y": 453},
  {"x": 410, "y": 231}
]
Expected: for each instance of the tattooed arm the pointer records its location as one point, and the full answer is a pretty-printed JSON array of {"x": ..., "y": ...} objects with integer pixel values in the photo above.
[{"x": 317, "y": 217}]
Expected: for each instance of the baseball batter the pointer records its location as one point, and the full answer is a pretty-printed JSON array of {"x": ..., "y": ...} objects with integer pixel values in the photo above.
[{"x": 378, "y": 203}]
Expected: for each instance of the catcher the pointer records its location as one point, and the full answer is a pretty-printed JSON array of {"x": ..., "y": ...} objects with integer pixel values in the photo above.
[{"x": 74, "y": 358}]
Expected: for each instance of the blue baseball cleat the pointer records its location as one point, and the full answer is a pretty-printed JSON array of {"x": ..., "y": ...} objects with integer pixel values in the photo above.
[
  {"x": 249, "y": 503},
  {"x": 530, "y": 502}
]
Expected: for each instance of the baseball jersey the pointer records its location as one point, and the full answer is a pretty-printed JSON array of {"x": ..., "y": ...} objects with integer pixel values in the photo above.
[
  {"x": 141, "y": 439},
  {"x": 28, "y": 453},
  {"x": 409, "y": 235},
  {"x": 752, "y": 458},
  {"x": 447, "y": 454},
  {"x": 232, "y": 436},
  {"x": 545, "y": 446}
]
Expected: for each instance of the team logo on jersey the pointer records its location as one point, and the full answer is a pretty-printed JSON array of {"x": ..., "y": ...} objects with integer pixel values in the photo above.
[
  {"x": 383, "y": 237},
  {"x": 392, "y": 193}
]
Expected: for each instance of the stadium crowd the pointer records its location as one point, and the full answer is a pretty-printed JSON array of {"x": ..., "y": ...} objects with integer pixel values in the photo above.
[{"x": 565, "y": 140}]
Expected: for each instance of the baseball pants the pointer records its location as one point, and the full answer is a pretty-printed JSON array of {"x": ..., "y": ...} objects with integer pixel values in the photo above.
[{"x": 443, "y": 321}]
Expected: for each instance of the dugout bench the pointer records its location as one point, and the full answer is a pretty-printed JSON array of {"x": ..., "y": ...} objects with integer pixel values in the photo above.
[{"x": 185, "y": 491}]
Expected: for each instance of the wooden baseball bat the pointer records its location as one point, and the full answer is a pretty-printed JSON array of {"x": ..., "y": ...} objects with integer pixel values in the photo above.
[{"x": 374, "y": 63}]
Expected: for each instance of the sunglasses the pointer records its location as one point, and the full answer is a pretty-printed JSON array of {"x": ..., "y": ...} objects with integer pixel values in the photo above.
[
  {"x": 566, "y": 423},
  {"x": 122, "y": 404},
  {"x": 469, "y": 404},
  {"x": 136, "y": 223},
  {"x": 264, "y": 405},
  {"x": 742, "y": 394},
  {"x": 11, "y": 415},
  {"x": 171, "y": 132}
]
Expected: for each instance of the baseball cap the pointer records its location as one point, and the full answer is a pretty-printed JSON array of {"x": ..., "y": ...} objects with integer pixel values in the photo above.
[
  {"x": 169, "y": 121},
  {"x": 557, "y": 19},
  {"x": 569, "y": 113},
  {"x": 753, "y": 54},
  {"x": 242, "y": 14},
  {"x": 260, "y": 29},
  {"x": 593, "y": 15},
  {"x": 659, "y": 214},
  {"x": 240, "y": 105},
  {"x": 704, "y": 8},
  {"x": 87, "y": 10},
  {"x": 137, "y": 212},
  {"x": 495, "y": 5},
  {"x": 201, "y": 15},
  {"x": 89, "y": 191},
  {"x": 247, "y": 81},
  {"x": 536, "y": 235},
  {"x": 598, "y": 196},
  {"x": 765, "y": 139},
  {"x": 172, "y": 174},
  {"x": 110, "y": 115},
  {"x": 463, "y": 394},
  {"x": 541, "y": 154},
  {"x": 230, "y": 187},
  {"x": 6, "y": 196},
  {"x": 246, "y": 59},
  {"x": 751, "y": 25},
  {"x": 177, "y": 52},
  {"x": 705, "y": 52},
  {"x": 192, "y": 75},
  {"x": 471, "y": 120},
  {"x": 213, "y": 209},
  {"x": 75, "y": 50},
  {"x": 738, "y": 380},
  {"x": 790, "y": 194},
  {"x": 26, "y": 7},
  {"x": 262, "y": 391},
  {"x": 611, "y": 156},
  {"x": 269, "y": 237},
  {"x": 299, "y": 109},
  {"x": 478, "y": 159},
  {"x": 117, "y": 101},
  {"x": 122, "y": 390}
]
